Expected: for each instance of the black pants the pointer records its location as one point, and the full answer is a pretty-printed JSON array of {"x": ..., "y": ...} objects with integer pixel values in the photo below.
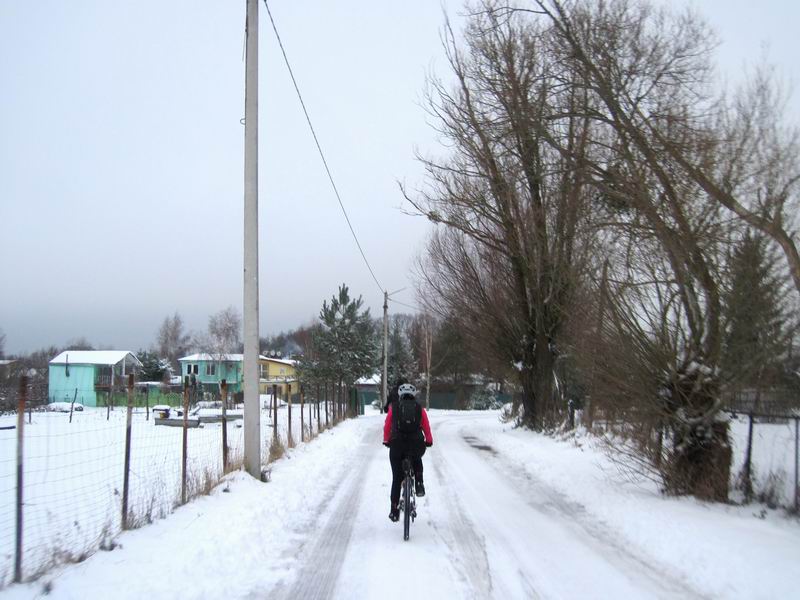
[{"x": 398, "y": 450}]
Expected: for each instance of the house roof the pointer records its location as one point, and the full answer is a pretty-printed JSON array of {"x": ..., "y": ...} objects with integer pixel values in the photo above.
[
  {"x": 233, "y": 358},
  {"x": 6, "y": 362},
  {"x": 214, "y": 357},
  {"x": 372, "y": 380},
  {"x": 93, "y": 357},
  {"x": 283, "y": 361}
]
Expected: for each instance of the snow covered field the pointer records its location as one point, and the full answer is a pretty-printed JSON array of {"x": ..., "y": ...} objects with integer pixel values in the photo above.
[
  {"x": 773, "y": 457},
  {"x": 509, "y": 514},
  {"x": 73, "y": 478}
]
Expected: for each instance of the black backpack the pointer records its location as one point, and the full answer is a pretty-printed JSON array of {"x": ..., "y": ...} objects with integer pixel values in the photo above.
[{"x": 407, "y": 416}]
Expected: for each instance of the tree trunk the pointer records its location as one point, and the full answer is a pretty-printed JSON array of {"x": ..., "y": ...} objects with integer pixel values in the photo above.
[
  {"x": 543, "y": 379},
  {"x": 701, "y": 462}
]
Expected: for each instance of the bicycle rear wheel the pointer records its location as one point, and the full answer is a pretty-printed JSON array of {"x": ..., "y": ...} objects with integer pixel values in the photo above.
[{"x": 406, "y": 507}]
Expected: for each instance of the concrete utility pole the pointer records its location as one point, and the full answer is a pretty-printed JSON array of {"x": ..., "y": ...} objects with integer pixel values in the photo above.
[
  {"x": 252, "y": 409},
  {"x": 385, "y": 344}
]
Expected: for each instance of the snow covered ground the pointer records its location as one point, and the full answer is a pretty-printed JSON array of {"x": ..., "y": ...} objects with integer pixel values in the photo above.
[
  {"x": 73, "y": 476},
  {"x": 772, "y": 470},
  {"x": 509, "y": 514}
]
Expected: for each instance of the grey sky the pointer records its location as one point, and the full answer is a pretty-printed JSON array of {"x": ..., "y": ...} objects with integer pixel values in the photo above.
[{"x": 121, "y": 155}]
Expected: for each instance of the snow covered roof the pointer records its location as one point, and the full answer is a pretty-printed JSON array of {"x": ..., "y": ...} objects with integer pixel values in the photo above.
[
  {"x": 372, "y": 380},
  {"x": 93, "y": 357},
  {"x": 283, "y": 361},
  {"x": 216, "y": 357},
  {"x": 6, "y": 362}
]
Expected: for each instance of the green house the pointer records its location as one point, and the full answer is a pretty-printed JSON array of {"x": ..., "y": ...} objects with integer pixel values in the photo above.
[
  {"x": 211, "y": 369},
  {"x": 88, "y": 376}
]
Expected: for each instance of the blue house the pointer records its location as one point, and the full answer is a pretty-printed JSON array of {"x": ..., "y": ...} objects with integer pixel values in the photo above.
[
  {"x": 89, "y": 375},
  {"x": 211, "y": 369}
]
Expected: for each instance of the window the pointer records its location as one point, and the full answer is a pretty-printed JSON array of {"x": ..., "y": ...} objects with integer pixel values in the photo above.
[
  {"x": 211, "y": 369},
  {"x": 283, "y": 371},
  {"x": 188, "y": 369}
]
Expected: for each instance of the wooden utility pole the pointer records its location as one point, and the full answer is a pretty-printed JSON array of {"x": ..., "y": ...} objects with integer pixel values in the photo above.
[
  {"x": 126, "y": 476},
  {"x": 252, "y": 409}
]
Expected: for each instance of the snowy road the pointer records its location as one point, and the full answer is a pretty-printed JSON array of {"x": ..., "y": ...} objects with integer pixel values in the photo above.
[
  {"x": 484, "y": 531},
  {"x": 508, "y": 514}
]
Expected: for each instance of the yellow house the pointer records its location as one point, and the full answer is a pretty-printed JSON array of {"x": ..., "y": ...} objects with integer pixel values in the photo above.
[{"x": 280, "y": 372}]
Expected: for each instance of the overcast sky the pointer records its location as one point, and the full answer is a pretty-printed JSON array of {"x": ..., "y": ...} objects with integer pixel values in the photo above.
[{"x": 121, "y": 155}]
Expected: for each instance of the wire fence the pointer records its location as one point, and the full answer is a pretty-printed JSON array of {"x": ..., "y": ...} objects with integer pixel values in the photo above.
[
  {"x": 765, "y": 451},
  {"x": 766, "y": 458},
  {"x": 73, "y": 475}
]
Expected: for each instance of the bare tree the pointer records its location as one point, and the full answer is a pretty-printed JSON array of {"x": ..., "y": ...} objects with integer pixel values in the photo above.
[
  {"x": 79, "y": 343},
  {"x": 225, "y": 331},
  {"x": 512, "y": 207},
  {"x": 642, "y": 72},
  {"x": 638, "y": 61},
  {"x": 172, "y": 341}
]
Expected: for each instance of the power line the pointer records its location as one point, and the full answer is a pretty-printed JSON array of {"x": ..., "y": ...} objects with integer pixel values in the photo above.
[
  {"x": 406, "y": 305},
  {"x": 319, "y": 147}
]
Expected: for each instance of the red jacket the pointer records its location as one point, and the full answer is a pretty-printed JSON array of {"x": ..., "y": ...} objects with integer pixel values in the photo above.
[{"x": 426, "y": 426}]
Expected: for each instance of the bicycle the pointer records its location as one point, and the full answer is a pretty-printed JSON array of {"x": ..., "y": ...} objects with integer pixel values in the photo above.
[{"x": 408, "y": 501}]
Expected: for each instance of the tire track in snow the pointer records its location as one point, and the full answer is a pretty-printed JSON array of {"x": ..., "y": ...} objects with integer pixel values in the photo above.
[
  {"x": 322, "y": 564},
  {"x": 458, "y": 533},
  {"x": 551, "y": 502}
]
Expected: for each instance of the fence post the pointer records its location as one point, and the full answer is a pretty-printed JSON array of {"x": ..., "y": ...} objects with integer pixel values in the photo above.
[
  {"x": 274, "y": 410},
  {"x": 302, "y": 416},
  {"x": 147, "y": 403},
  {"x": 110, "y": 394},
  {"x": 317, "y": 399},
  {"x": 72, "y": 406},
  {"x": 224, "y": 426},
  {"x": 185, "y": 438},
  {"x": 126, "y": 478},
  {"x": 796, "y": 444},
  {"x": 289, "y": 440},
  {"x": 748, "y": 484},
  {"x": 21, "y": 400}
]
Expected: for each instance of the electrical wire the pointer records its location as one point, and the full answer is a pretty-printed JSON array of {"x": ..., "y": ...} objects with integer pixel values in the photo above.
[
  {"x": 319, "y": 147},
  {"x": 403, "y": 304}
]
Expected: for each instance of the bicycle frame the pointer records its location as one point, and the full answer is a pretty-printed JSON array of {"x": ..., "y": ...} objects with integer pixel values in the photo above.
[{"x": 408, "y": 503}]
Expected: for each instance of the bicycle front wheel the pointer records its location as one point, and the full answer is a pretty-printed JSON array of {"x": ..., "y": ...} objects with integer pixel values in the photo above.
[{"x": 406, "y": 507}]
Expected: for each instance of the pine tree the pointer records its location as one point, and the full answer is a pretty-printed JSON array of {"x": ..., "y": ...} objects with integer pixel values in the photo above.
[
  {"x": 757, "y": 325},
  {"x": 344, "y": 346},
  {"x": 153, "y": 367},
  {"x": 400, "y": 362}
]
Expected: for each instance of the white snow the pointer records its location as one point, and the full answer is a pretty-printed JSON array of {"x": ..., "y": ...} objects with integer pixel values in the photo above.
[
  {"x": 508, "y": 514},
  {"x": 93, "y": 357},
  {"x": 64, "y": 406},
  {"x": 232, "y": 357}
]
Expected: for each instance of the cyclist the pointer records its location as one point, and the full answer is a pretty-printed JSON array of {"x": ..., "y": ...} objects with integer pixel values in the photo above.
[{"x": 406, "y": 432}]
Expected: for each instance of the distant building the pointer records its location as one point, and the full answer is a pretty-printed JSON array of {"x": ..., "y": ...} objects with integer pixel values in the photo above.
[
  {"x": 6, "y": 369},
  {"x": 89, "y": 375},
  {"x": 280, "y": 372},
  {"x": 211, "y": 369},
  {"x": 369, "y": 389}
]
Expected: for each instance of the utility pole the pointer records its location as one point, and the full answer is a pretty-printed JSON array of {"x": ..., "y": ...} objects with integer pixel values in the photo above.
[
  {"x": 385, "y": 344},
  {"x": 252, "y": 409}
]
